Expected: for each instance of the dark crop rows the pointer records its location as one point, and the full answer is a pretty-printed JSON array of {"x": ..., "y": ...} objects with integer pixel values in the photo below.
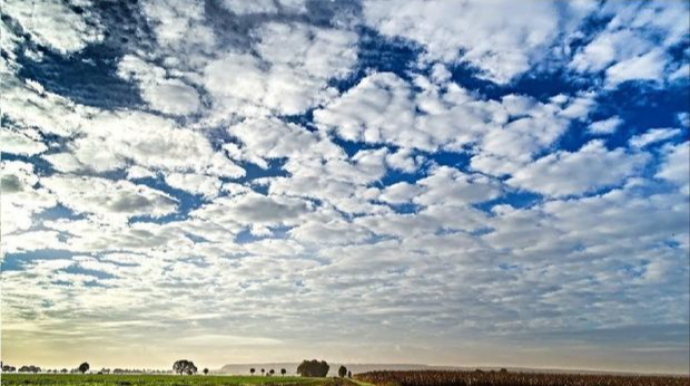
[{"x": 486, "y": 378}]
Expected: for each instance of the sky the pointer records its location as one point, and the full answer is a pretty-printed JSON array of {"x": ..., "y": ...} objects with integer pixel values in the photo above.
[{"x": 442, "y": 182}]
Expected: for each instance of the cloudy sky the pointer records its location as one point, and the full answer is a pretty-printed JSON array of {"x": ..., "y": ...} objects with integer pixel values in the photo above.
[{"x": 442, "y": 182}]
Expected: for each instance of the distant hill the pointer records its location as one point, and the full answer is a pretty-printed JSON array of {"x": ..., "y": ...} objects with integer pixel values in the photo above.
[{"x": 291, "y": 368}]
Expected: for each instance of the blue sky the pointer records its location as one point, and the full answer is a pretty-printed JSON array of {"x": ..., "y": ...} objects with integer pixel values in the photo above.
[{"x": 442, "y": 182}]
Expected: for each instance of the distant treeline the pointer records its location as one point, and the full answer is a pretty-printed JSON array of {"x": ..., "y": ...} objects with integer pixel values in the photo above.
[
  {"x": 308, "y": 368},
  {"x": 81, "y": 369}
]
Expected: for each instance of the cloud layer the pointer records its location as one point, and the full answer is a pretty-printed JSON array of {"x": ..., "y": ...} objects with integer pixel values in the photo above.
[{"x": 418, "y": 181}]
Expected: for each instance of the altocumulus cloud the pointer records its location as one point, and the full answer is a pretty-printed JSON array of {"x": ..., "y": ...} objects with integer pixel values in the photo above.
[{"x": 440, "y": 181}]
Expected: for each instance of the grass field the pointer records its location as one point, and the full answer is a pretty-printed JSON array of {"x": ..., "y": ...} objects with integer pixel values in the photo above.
[{"x": 160, "y": 380}]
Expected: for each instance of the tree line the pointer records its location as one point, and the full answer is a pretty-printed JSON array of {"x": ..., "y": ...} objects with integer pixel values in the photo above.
[
  {"x": 83, "y": 368},
  {"x": 308, "y": 368}
]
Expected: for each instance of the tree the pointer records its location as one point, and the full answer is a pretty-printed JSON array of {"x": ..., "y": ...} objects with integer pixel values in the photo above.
[
  {"x": 206, "y": 371},
  {"x": 313, "y": 368},
  {"x": 271, "y": 372},
  {"x": 349, "y": 374},
  {"x": 252, "y": 371},
  {"x": 283, "y": 372},
  {"x": 342, "y": 371},
  {"x": 84, "y": 367},
  {"x": 184, "y": 366},
  {"x": 263, "y": 371},
  {"x": 64, "y": 371}
]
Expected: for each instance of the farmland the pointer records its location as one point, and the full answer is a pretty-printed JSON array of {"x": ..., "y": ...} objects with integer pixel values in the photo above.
[
  {"x": 377, "y": 378},
  {"x": 161, "y": 380},
  {"x": 484, "y": 378}
]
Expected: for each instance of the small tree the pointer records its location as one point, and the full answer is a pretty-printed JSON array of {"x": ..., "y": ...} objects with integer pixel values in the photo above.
[
  {"x": 271, "y": 372},
  {"x": 64, "y": 371},
  {"x": 205, "y": 371},
  {"x": 283, "y": 372},
  {"x": 84, "y": 367},
  {"x": 342, "y": 371},
  {"x": 252, "y": 371},
  {"x": 263, "y": 371},
  {"x": 349, "y": 374}
]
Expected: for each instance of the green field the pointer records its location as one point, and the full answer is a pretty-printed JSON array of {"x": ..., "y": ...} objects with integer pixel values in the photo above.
[{"x": 163, "y": 380}]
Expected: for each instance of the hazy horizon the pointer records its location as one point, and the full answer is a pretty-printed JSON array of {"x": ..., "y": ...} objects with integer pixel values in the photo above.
[
  {"x": 243, "y": 368},
  {"x": 450, "y": 182}
]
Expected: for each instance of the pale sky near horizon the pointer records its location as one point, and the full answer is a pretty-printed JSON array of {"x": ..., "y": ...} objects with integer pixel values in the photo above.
[{"x": 449, "y": 182}]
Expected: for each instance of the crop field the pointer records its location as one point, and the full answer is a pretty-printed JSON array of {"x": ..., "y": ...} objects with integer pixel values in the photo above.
[
  {"x": 163, "y": 380},
  {"x": 484, "y": 378}
]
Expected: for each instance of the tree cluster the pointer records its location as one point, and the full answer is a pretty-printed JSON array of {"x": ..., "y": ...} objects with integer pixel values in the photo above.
[
  {"x": 30, "y": 369},
  {"x": 184, "y": 366},
  {"x": 313, "y": 368}
]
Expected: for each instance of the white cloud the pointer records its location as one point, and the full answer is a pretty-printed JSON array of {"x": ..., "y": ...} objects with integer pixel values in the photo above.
[
  {"x": 606, "y": 126},
  {"x": 400, "y": 193},
  {"x": 136, "y": 171},
  {"x": 290, "y": 74},
  {"x": 31, "y": 241},
  {"x": 535, "y": 128},
  {"x": 649, "y": 66},
  {"x": 254, "y": 209},
  {"x": 22, "y": 196},
  {"x": 42, "y": 19},
  {"x": 675, "y": 166},
  {"x": 634, "y": 44},
  {"x": 493, "y": 36},
  {"x": 64, "y": 162},
  {"x": 383, "y": 108},
  {"x": 682, "y": 72},
  {"x": 373, "y": 111},
  {"x": 332, "y": 231},
  {"x": 265, "y": 6},
  {"x": 167, "y": 95},
  {"x": 654, "y": 136},
  {"x": 607, "y": 48},
  {"x": 179, "y": 26},
  {"x": 621, "y": 223},
  {"x": 591, "y": 168},
  {"x": 149, "y": 141},
  {"x": 24, "y": 142},
  {"x": 449, "y": 186},
  {"x": 28, "y": 104},
  {"x": 207, "y": 186},
  {"x": 112, "y": 200},
  {"x": 404, "y": 161},
  {"x": 265, "y": 138}
]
